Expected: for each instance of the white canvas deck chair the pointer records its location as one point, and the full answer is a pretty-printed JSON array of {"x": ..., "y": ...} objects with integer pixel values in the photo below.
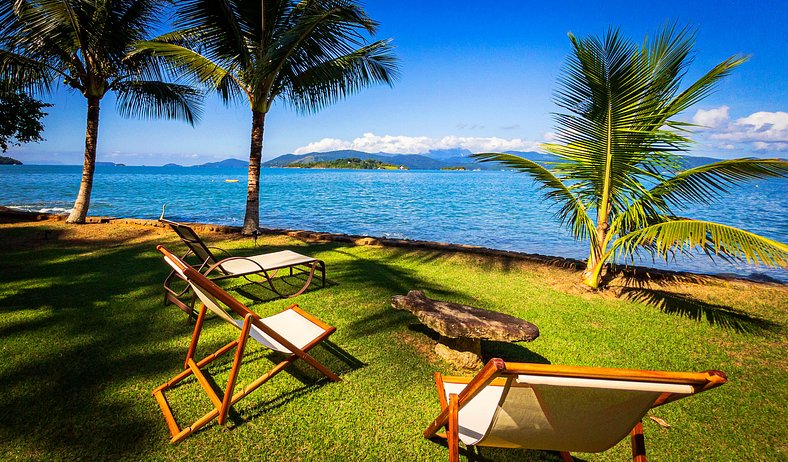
[
  {"x": 558, "y": 408},
  {"x": 265, "y": 265},
  {"x": 292, "y": 332}
]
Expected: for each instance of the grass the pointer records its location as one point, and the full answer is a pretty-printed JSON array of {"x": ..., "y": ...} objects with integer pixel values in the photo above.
[{"x": 85, "y": 338}]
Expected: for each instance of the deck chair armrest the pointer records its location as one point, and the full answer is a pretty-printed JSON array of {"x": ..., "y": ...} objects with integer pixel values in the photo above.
[
  {"x": 221, "y": 249},
  {"x": 488, "y": 373},
  {"x": 231, "y": 258}
]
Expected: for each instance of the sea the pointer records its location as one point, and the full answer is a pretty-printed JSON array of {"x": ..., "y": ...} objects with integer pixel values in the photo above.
[{"x": 495, "y": 209}]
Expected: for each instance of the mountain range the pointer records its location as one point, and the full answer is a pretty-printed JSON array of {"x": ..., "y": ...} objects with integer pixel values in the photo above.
[{"x": 432, "y": 160}]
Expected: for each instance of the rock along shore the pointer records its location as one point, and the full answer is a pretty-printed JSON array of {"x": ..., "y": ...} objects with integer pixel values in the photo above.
[{"x": 314, "y": 236}]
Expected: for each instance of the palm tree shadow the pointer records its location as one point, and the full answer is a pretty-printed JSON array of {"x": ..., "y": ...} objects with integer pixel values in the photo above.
[{"x": 682, "y": 305}]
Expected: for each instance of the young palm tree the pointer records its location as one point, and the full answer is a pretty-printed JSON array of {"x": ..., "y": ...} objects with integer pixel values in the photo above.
[
  {"x": 616, "y": 148},
  {"x": 89, "y": 45},
  {"x": 308, "y": 53}
]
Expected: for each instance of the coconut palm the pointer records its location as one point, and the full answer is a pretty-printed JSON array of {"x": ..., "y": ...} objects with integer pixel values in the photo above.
[
  {"x": 88, "y": 45},
  {"x": 307, "y": 53},
  {"x": 617, "y": 178}
]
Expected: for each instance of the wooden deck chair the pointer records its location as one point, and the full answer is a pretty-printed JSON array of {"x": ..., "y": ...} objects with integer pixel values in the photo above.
[
  {"x": 292, "y": 332},
  {"x": 266, "y": 265},
  {"x": 559, "y": 408}
]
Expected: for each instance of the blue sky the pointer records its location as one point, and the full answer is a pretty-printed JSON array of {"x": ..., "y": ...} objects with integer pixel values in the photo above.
[{"x": 478, "y": 75}]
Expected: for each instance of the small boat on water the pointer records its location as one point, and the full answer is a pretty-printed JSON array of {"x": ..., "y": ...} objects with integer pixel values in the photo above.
[{"x": 230, "y": 180}]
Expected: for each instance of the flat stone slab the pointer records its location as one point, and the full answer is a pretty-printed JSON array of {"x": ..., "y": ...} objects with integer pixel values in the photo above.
[{"x": 462, "y": 327}]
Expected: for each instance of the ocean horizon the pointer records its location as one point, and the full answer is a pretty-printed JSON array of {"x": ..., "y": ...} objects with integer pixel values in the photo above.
[{"x": 495, "y": 209}]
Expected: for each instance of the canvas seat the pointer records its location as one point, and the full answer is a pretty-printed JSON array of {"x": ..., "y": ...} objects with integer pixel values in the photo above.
[
  {"x": 265, "y": 266},
  {"x": 548, "y": 407},
  {"x": 292, "y": 332}
]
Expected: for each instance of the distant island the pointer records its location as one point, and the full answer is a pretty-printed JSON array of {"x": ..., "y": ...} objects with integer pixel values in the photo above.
[
  {"x": 459, "y": 169},
  {"x": 109, "y": 164},
  {"x": 226, "y": 163},
  {"x": 9, "y": 161},
  {"x": 351, "y": 162}
]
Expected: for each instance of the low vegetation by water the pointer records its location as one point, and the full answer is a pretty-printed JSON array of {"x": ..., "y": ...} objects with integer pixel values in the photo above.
[
  {"x": 351, "y": 163},
  {"x": 86, "y": 339},
  {"x": 9, "y": 161}
]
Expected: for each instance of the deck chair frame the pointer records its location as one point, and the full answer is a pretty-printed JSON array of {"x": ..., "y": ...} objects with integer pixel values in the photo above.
[
  {"x": 497, "y": 372},
  {"x": 211, "y": 267},
  {"x": 224, "y": 401}
]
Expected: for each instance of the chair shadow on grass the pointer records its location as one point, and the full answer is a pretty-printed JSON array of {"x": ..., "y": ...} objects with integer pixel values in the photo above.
[
  {"x": 490, "y": 454},
  {"x": 682, "y": 305}
]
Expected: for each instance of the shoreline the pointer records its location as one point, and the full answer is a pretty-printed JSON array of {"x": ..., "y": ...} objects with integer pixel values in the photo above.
[{"x": 316, "y": 236}]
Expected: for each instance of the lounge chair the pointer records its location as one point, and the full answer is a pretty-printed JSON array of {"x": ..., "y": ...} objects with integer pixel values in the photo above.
[
  {"x": 265, "y": 265},
  {"x": 559, "y": 408},
  {"x": 292, "y": 332}
]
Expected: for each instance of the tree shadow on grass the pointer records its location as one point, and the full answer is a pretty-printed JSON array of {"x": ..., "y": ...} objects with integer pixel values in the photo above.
[
  {"x": 78, "y": 350},
  {"x": 682, "y": 305},
  {"x": 384, "y": 275}
]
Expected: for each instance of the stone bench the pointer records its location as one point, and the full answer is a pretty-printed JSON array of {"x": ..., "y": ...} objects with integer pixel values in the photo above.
[{"x": 462, "y": 328}]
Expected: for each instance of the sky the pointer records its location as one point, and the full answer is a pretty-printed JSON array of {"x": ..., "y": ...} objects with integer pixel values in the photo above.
[{"x": 473, "y": 75}]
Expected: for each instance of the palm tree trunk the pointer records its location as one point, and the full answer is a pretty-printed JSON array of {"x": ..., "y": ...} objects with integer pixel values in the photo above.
[
  {"x": 252, "y": 216},
  {"x": 82, "y": 203},
  {"x": 593, "y": 271},
  {"x": 596, "y": 260}
]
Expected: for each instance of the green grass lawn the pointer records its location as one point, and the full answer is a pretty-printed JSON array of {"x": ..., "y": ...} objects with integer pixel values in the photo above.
[{"x": 85, "y": 338}]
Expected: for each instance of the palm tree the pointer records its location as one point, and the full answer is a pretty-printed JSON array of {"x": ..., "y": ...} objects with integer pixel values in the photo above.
[
  {"x": 89, "y": 46},
  {"x": 307, "y": 53},
  {"x": 616, "y": 146}
]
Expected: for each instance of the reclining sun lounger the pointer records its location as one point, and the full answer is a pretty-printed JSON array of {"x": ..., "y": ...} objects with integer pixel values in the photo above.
[
  {"x": 265, "y": 265},
  {"x": 559, "y": 408},
  {"x": 292, "y": 332}
]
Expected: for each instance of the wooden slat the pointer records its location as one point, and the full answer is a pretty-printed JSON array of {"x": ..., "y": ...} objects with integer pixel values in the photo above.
[
  {"x": 686, "y": 378},
  {"x": 165, "y": 409},
  {"x": 217, "y": 403},
  {"x": 453, "y": 430}
]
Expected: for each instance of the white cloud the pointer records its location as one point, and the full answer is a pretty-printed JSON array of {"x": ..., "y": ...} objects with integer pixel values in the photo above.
[
  {"x": 760, "y": 128},
  {"x": 759, "y": 131},
  {"x": 712, "y": 118},
  {"x": 370, "y": 142}
]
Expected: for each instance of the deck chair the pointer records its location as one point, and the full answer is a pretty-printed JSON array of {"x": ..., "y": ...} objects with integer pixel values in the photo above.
[
  {"x": 292, "y": 332},
  {"x": 265, "y": 265},
  {"x": 559, "y": 408}
]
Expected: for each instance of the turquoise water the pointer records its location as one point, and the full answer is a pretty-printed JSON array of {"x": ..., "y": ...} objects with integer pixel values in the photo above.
[{"x": 502, "y": 210}]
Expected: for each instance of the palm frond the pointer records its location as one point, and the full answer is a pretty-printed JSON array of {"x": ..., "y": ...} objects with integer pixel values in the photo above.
[
  {"x": 572, "y": 212},
  {"x": 708, "y": 182},
  {"x": 329, "y": 81},
  {"x": 149, "y": 99},
  {"x": 186, "y": 62},
  {"x": 714, "y": 239}
]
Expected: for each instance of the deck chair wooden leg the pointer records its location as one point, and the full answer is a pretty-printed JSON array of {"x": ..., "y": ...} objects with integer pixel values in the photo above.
[
  {"x": 638, "y": 443},
  {"x": 195, "y": 335},
  {"x": 239, "y": 354},
  {"x": 452, "y": 433}
]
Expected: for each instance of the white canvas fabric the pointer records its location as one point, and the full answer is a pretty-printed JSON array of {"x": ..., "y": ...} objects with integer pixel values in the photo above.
[
  {"x": 268, "y": 261},
  {"x": 558, "y": 413},
  {"x": 289, "y": 324},
  {"x": 212, "y": 304},
  {"x": 476, "y": 417}
]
